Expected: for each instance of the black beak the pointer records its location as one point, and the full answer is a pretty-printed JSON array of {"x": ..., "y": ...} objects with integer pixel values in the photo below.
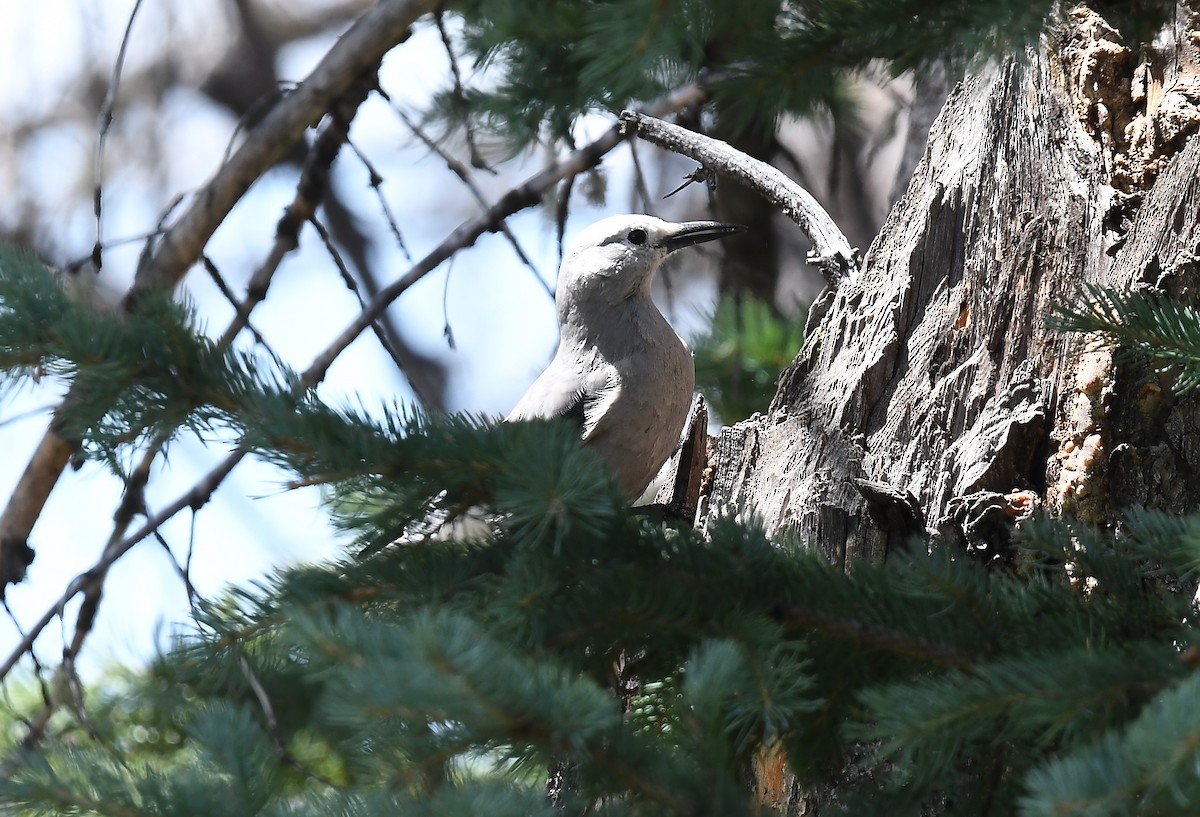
[{"x": 697, "y": 232}]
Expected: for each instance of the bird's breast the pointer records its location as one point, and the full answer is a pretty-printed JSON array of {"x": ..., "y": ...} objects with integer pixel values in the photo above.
[{"x": 656, "y": 378}]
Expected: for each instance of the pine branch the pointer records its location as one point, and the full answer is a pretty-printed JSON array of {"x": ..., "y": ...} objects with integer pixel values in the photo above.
[
  {"x": 1147, "y": 768},
  {"x": 405, "y": 663},
  {"x": 142, "y": 375},
  {"x": 1166, "y": 332},
  {"x": 1171, "y": 543},
  {"x": 775, "y": 59},
  {"x": 874, "y": 636},
  {"x": 231, "y": 770},
  {"x": 928, "y": 725}
]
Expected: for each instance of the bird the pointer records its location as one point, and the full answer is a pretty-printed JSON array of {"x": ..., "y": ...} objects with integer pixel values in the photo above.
[{"x": 620, "y": 369}]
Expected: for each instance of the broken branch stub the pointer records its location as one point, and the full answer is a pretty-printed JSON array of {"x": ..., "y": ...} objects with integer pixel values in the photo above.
[{"x": 832, "y": 253}]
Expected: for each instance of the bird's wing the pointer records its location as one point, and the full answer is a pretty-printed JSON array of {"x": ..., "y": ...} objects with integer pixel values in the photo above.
[
  {"x": 585, "y": 398},
  {"x": 594, "y": 401}
]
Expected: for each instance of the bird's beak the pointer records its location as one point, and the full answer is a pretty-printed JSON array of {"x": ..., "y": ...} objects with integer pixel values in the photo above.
[{"x": 697, "y": 232}]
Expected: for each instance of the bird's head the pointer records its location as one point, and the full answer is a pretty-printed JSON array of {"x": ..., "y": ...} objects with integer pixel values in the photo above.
[{"x": 614, "y": 259}]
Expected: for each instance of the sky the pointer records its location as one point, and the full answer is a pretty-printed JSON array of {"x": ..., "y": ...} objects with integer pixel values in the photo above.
[{"x": 500, "y": 315}]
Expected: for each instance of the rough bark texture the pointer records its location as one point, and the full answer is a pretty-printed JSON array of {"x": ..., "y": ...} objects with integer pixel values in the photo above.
[{"x": 930, "y": 394}]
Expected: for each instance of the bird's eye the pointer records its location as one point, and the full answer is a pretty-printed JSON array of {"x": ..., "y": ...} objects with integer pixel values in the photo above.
[{"x": 637, "y": 236}]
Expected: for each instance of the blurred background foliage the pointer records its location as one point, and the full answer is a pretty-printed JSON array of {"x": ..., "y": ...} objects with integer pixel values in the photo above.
[{"x": 746, "y": 347}]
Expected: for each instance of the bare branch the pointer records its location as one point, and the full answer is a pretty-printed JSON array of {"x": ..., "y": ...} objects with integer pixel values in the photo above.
[
  {"x": 376, "y": 182},
  {"x": 26, "y": 502},
  {"x": 874, "y": 636},
  {"x": 356, "y": 54},
  {"x": 351, "y": 284},
  {"x": 194, "y": 498},
  {"x": 105, "y": 121},
  {"x": 464, "y": 175},
  {"x": 639, "y": 180},
  {"x": 159, "y": 228},
  {"x": 460, "y": 96},
  {"x": 832, "y": 254},
  {"x": 527, "y": 194},
  {"x": 276, "y": 734},
  {"x": 447, "y": 330},
  {"x": 182, "y": 570},
  {"x": 219, "y": 281}
]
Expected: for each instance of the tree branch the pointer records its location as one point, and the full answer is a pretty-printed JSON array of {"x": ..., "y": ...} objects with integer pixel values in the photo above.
[
  {"x": 356, "y": 53},
  {"x": 105, "y": 119},
  {"x": 194, "y": 498},
  {"x": 527, "y": 194},
  {"x": 464, "y": 175},
  {"x": 886, "y": 639},
  {"x": 832, "y": 253}
]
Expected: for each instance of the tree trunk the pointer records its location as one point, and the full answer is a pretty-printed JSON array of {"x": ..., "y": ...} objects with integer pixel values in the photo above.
[{"x": 931, "y": 395}]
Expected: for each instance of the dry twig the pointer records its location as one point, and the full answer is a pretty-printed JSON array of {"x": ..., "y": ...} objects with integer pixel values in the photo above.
[{"x": 832, "y": 253}]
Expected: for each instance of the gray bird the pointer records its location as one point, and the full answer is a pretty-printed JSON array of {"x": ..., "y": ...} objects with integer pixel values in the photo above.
[{"x": 620, "y": 369}]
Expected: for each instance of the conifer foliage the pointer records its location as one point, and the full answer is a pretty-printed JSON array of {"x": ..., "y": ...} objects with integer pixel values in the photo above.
[
  {"x": 645, "y": 668},
  {"x": 762, "y": 58}
]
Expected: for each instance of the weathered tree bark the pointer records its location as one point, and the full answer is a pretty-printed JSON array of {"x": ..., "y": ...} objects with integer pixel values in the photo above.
[{"x": 932, "y": 395}]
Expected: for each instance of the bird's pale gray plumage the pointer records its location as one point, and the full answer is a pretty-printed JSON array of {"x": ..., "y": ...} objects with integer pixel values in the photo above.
[{"x": 620, "y": 368}]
